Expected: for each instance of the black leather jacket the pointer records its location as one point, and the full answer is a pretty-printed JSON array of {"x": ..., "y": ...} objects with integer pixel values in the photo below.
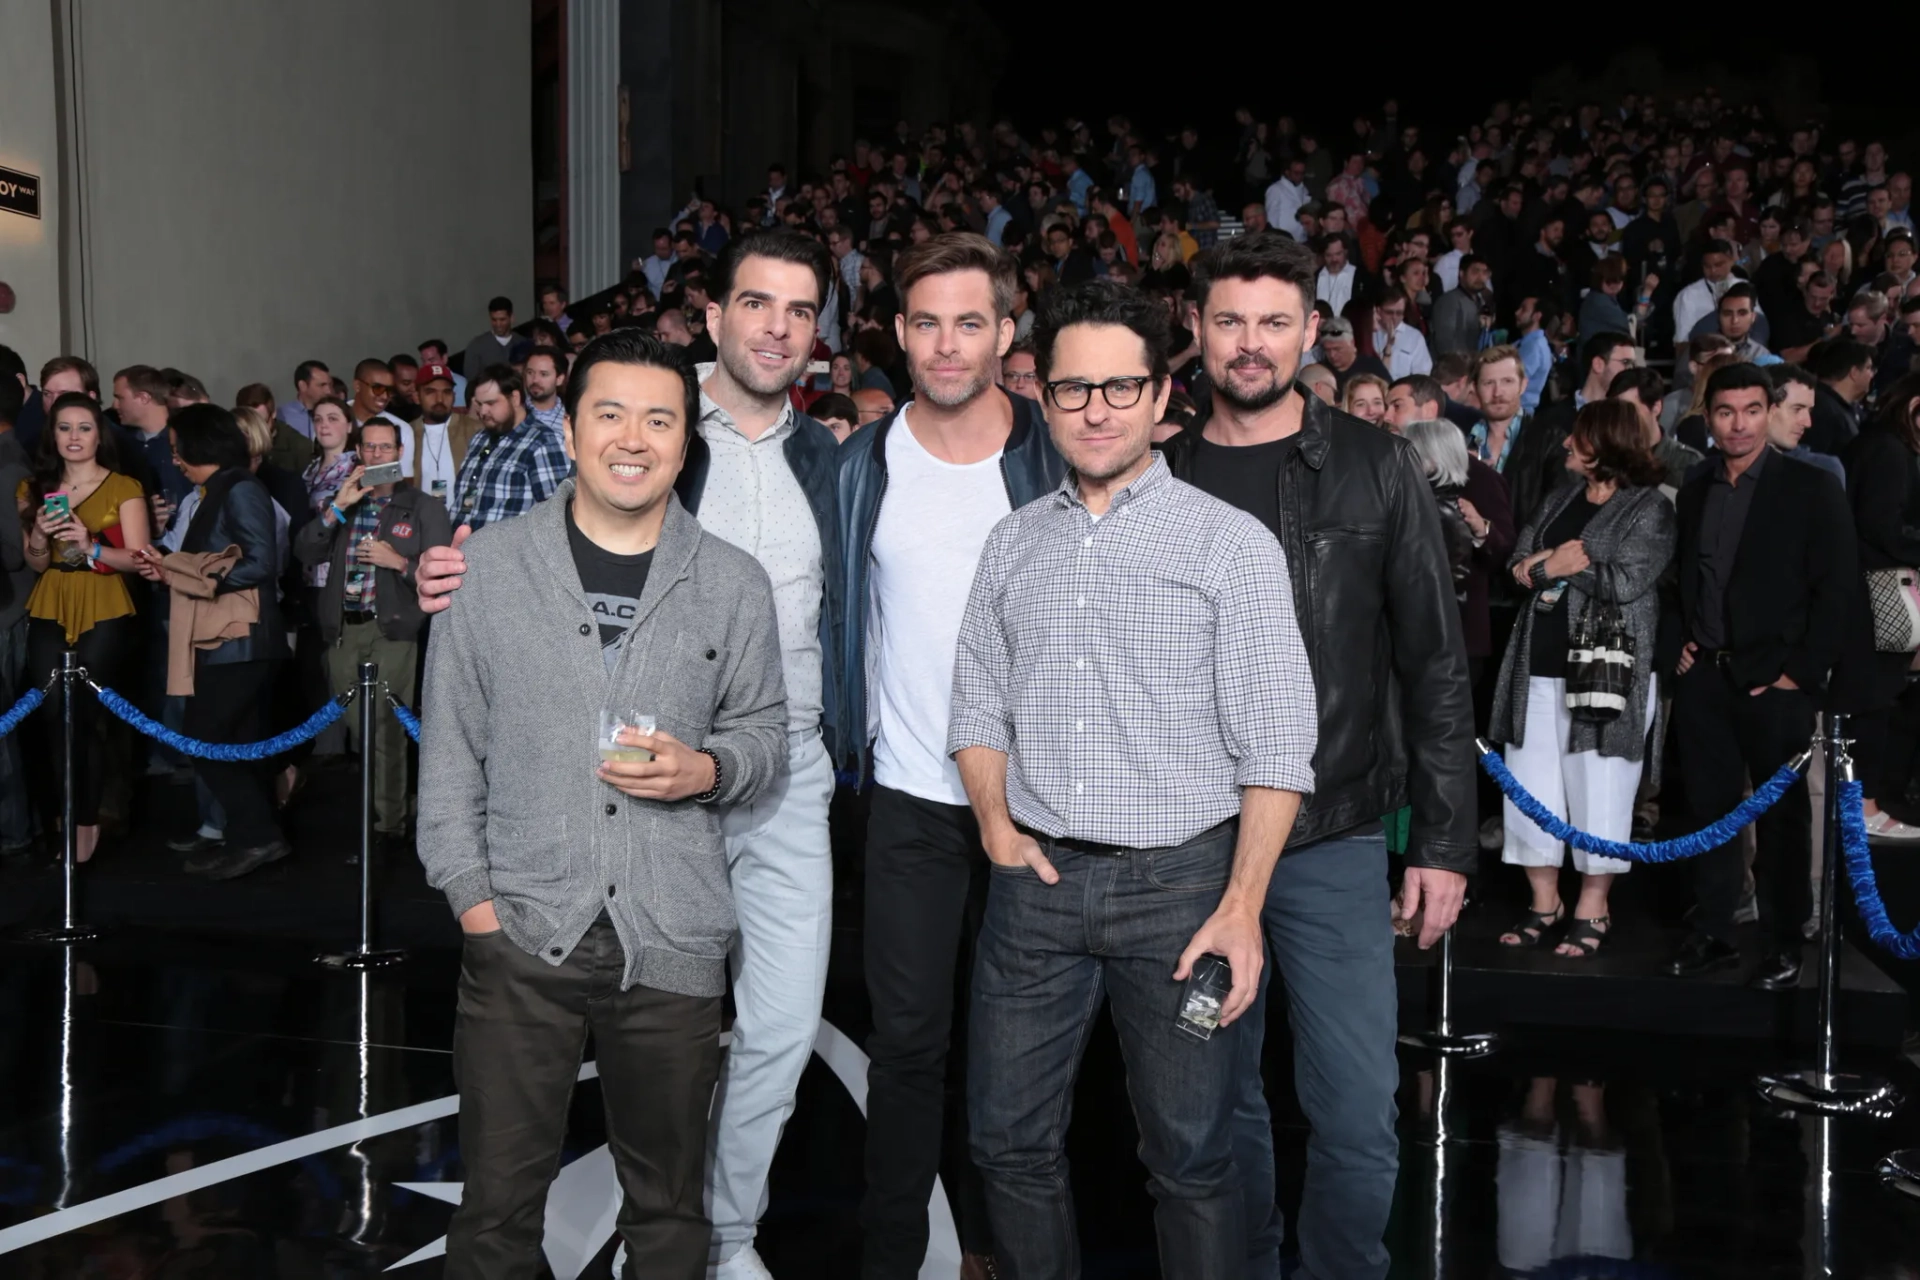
[
  {"x": 1374, "y": 596},
  {"x": 1032, "y": 468},
  {"x": 237, "y": 512}
]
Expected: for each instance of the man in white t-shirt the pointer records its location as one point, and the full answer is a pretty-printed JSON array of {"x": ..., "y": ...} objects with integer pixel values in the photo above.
[
  {"x": 919, "y": 491},
  {"x": 440, "y": 436}
]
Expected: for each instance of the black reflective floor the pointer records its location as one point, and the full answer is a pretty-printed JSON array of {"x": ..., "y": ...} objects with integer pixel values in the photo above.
[
  {"x": 201, "y": 1100},
  {"x": 173, "y": 1107}
]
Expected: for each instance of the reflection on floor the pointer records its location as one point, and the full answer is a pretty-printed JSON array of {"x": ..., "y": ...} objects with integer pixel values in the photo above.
[{"x": 237, "y": 1076}]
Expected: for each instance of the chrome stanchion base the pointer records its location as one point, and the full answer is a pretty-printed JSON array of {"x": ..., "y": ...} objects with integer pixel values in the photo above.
[
  {"x": 1839, "y": 1094},
  {"x": 61, "y": 935},
  {"x": 1443, "y": 1045},
  {"x": 359, "y": 959},
  {"x": 1901, "y": 1172}
]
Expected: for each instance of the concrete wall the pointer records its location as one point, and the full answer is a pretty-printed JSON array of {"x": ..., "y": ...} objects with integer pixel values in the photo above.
[
  {"x": 263, "y": 181},
  {"x": 29, "y": 140}
]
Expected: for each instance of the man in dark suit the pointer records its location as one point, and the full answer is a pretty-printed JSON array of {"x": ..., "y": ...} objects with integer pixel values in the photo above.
[
  {"x": 1845, "y": 369},
  {"x": 1767, "y": 561}
]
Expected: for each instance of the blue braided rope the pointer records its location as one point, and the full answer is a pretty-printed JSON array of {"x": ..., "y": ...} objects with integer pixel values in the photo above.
[
  {"x": 1866, "y": 890},
  {"x": 1764, "y": 797},
  {"x": 29, "y": 702},
  {"x": 408, "y": 720},
  {"x": 315, "y": 724}
]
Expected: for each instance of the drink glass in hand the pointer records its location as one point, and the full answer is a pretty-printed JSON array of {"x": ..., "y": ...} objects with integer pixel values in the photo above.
[{"x": 613, "y": 722}]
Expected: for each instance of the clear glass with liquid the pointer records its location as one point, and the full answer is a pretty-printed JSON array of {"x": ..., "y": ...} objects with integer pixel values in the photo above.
[{"x": 615, "y": 720}]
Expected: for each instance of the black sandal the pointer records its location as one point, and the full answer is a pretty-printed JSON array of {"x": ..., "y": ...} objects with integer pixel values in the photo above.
[
  {"x": 1533, "y": 930},
  {"x": 1586, "y": 935}
]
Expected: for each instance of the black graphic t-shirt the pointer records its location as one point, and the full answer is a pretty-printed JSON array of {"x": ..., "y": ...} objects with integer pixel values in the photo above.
[{"x": 613, "y": 585}]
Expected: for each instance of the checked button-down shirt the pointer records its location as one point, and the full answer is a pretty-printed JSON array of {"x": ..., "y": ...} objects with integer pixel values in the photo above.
[
  {"x": 1138, "y": 669},
  {"x": 507, "y": 475}
]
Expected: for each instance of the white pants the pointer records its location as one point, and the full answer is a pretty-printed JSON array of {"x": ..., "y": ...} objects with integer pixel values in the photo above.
[
  {"x": 1554, "y": 1204},
  {"x": 1593, "y": 792},
  {"x": 781, "y": 868}
]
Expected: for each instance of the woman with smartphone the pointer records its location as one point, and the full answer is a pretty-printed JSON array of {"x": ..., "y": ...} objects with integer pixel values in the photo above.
[{"x": 85, "y": 523}]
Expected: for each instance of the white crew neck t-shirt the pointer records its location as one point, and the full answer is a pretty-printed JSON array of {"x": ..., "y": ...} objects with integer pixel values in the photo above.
[{"x": 934, "y": 520}]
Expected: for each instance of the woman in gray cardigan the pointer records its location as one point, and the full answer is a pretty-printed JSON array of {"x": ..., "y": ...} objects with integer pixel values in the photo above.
[{"x": 1607, "y": 535}]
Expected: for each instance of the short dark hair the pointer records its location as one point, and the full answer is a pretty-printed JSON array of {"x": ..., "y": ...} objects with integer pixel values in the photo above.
[
  {"x": 255, "y": 395},
  {"x": 1740, "y": 289},
  {"x": 500, "y": 302},
  {"x": 144, "y": 379},
  {"x": 370, "y": 365},
  {"x": 1599, "y": 347},
  {"x": 206, "y": 434},
  {"x": 834, "y": 405},
  {"x": 1102, "y": 302},
  {"x": 1737, "y": 377},
  {"x": 1263, "y": 255},
  {"x": 502, "y": 376},
  {"x": 955, "y": 251},
  {"x": 1642, "y": 381},
  {"x": 1469, "y": 260},
  {"x": 781, "y": 245},
  {"x": 1718, "y": 246},
  {"x": 13, "y": 397},
  {"x": 89, "y": 376},
  {"x": 395, "y": 362},
  {"x": 304, "y": 371},
  {"x": 1424, "y": 387},
  {"x": 554, "y": 289},
  {"x": 11, "y": 365},
  {"x": 438, "y": 344},
  {"x": 1451, "y": 366},
  {"x": 1835, "y": 358},
  {"x": 635, "y": 347},
  {"x": 1785, "y": 375}
]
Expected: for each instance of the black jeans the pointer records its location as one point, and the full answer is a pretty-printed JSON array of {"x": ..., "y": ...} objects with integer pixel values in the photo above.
[
  {"x": 229, "y": 704},
  {"x": 105, "y": 649},
  {"x": 1726, "y": 732},
  {"x": 517, "y": 1044},
  {"x": 1112, "y": 929},
  {"x": 926, "y": 884}
]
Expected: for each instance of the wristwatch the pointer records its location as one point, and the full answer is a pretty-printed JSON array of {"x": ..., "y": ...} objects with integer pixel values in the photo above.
[{"x": 707, "y": 796}]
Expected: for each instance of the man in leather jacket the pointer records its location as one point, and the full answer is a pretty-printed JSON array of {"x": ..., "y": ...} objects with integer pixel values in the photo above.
[
  {"x": 919, "y": 492},
  {"x": 1375, "y": 601}
]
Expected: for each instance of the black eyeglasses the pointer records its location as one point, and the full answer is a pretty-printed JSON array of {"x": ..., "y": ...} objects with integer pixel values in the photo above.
[{"x": 1119, "y": 393}]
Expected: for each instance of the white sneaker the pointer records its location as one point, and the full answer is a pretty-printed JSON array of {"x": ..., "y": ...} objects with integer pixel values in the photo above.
[
  {"x": 744, "y": 1265},
  {"x": 1884, "y": 826}
]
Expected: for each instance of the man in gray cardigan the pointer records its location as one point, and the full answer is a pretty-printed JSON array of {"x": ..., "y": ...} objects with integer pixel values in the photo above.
[{"x": 594, "y": 895}]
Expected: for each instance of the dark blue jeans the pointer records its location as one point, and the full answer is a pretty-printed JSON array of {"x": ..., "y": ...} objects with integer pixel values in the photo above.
[
  {"x": 1114, "y": 926},
  {"x": 1330, "y": 942}
]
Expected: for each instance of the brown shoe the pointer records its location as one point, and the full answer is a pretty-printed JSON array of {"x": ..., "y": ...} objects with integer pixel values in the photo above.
[{"x": 979, "y": 1266}]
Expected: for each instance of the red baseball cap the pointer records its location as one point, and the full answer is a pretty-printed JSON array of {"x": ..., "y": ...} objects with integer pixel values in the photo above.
[{"x": 428, "y": 372}]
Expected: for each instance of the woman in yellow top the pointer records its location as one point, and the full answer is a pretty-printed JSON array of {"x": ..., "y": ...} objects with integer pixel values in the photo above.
[{"x": 81, "y": 601}]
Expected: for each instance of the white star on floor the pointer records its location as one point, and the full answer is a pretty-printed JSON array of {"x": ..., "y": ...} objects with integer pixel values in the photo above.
[{"x": 581, "y": 1207}]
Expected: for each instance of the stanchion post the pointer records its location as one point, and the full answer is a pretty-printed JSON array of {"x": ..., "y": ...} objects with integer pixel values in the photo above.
[
  {"x": 366, "y": 957},
  {"x": 70, "y": 929},
  {"x": 1442, "y": 1039},
  {"x": 1825, "y": 1089}
]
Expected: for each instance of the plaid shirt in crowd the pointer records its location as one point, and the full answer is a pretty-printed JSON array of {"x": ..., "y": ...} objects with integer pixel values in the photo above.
[
  {"x": 506, "y": 475},
  {"x": 1138, "y": 669},
  {"x": 356, "y": 593}
]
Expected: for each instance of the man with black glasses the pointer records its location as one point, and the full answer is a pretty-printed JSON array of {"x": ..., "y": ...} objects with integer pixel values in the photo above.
[
  {"x": 373, "y": 389},
  {"x": 1134, "y": 721}
]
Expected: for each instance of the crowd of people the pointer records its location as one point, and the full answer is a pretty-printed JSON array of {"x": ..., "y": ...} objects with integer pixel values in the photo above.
[{"x": 1112, "y": 512}]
